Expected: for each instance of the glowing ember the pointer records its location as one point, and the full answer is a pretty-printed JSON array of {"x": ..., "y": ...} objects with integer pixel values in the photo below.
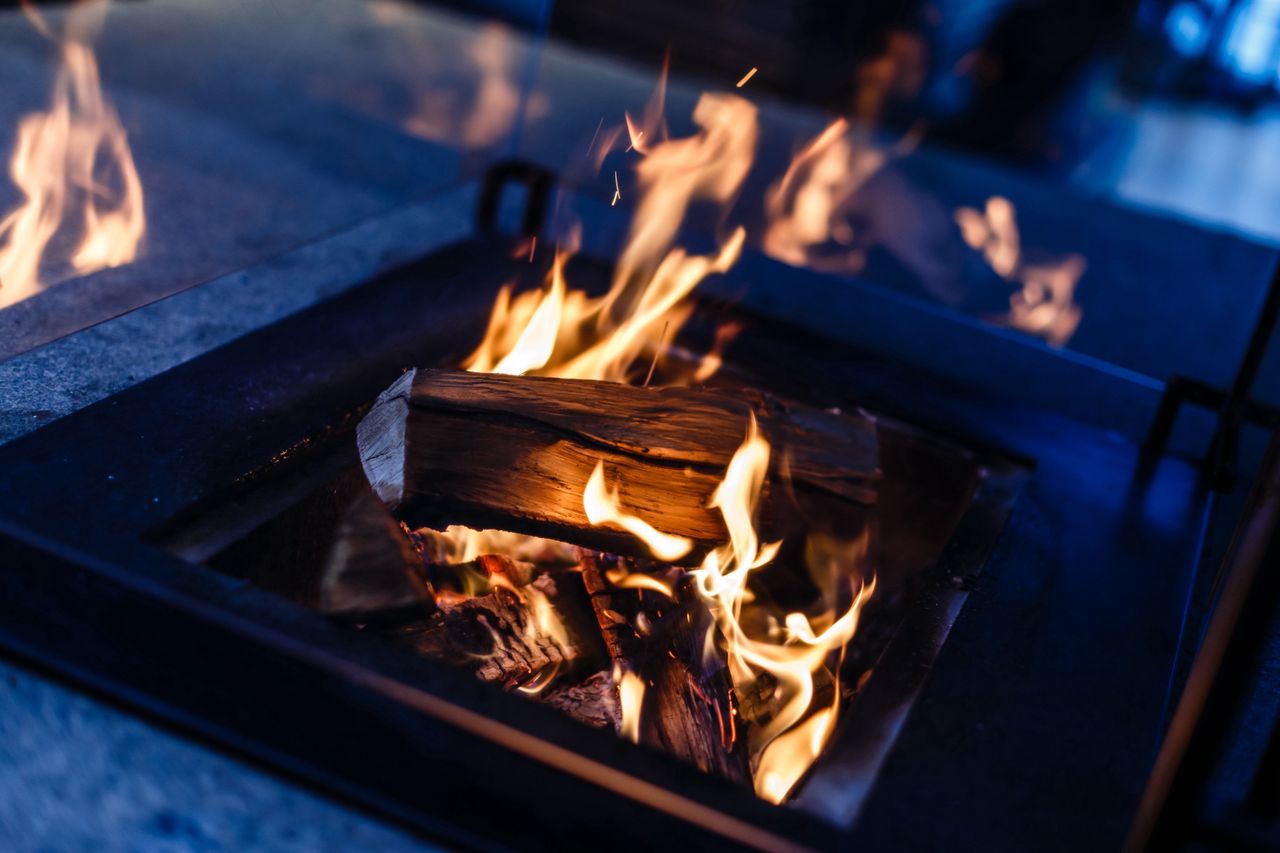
[
  {"x": 746, "y": 77},
  {"x": 75, "y": 155}
]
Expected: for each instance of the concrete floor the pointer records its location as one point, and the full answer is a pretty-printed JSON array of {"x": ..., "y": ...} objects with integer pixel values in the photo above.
[{"x": 77, "y": 775}]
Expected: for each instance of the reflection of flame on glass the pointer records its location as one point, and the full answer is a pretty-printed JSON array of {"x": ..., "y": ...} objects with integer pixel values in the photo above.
[
  {"x": 818, "y": 216},
  {"x": 1045, "y": 305},
  {"x": 462, "y": 90},
  {"x": 76, "y": 150},
  {"x": 804, "y": 207}
]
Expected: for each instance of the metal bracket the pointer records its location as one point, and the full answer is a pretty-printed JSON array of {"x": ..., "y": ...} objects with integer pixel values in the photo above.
[
  {"x": 1234, "y": 406},
  {"x": 538, "y": 182}
]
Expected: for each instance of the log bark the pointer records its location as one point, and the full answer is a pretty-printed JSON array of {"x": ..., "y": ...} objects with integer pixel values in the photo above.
[{"x": 516, "y": 452}]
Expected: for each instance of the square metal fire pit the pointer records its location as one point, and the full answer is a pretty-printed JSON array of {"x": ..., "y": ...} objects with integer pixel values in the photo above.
[{"x": 240, "y": 461}]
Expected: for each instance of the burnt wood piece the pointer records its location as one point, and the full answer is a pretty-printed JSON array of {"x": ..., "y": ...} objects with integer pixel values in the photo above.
[
  {"x": 516, "y": 452},
  {"x": 615, "y": 627},
  {"x": 693, "y": 713},
  {"x": 593, "y": 701},
  {"x": 688, "y": 699},
  {"x": 495, "y": 633}
]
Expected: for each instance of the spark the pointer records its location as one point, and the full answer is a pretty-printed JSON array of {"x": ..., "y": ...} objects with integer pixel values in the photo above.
[
  {"x": 662, "y": 340},
  {"x": 747, "y": 77},
  {"x": 617, "y": 191}
]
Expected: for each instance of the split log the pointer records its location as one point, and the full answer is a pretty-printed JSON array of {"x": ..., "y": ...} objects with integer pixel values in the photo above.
[
  {"x": 516, "y": 453},
  {"x": 374, "y": 571}
]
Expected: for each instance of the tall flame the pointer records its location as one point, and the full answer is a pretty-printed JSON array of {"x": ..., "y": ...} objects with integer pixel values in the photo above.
[
  {"x": 788, "y": 743},
  {"x": 78, "y": 149},
  {"x": 565, "y": 333}
]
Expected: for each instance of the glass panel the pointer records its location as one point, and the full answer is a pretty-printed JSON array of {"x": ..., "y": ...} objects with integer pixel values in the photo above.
[
  {"x": 249, "y": 128},
  {"x": 915, "y": 168}
]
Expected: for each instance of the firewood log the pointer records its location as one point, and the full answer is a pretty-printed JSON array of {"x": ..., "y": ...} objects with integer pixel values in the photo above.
[
  {"x": 516, "y": 452},
  {"x": 373, "y": 569}
]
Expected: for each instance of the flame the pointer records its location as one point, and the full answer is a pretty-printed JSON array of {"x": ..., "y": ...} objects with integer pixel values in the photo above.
[
  {"x": 462, "y": 88},
  {"x": 78, "y": 149},
  {"x": 1045, "y": 305},
  {"x": 788, "y": 743},
  {"x": 631, "y": 699},
  {"x": 636, "y": 580},
  {"x": 602, "y": 507},
  {"x": 458, "y": 544},
  {"x": 565, "y": 333}
]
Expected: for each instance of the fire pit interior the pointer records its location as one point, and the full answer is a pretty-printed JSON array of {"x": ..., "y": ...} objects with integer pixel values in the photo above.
[{"x": 592, "y": 620}]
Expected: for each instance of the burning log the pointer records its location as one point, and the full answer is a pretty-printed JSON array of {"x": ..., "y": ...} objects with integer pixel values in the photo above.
[
  {"x": 687, "y": 708},
  {"x": 517, "y": 452},
  {"x": 500, "y": 634}
]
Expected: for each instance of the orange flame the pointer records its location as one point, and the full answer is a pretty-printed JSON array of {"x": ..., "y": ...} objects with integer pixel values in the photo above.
[
  {"x": 788, "y": 744},
  {"x": 565, "y": 333},
  {"x": 80, "y": 146},
  {"x": 794, "y": 736},
  {"x": 602, "y": 507},
  {"x": 806, "y": 208}
]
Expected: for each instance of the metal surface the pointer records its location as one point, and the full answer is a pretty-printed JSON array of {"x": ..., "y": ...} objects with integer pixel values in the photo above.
[
  {"x": 1235, "y": 407},
  {"x": 1172, "y": 813}
]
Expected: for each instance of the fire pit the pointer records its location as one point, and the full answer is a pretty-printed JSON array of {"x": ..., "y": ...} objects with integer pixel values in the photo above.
[{"x": 935, "y": 511}]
